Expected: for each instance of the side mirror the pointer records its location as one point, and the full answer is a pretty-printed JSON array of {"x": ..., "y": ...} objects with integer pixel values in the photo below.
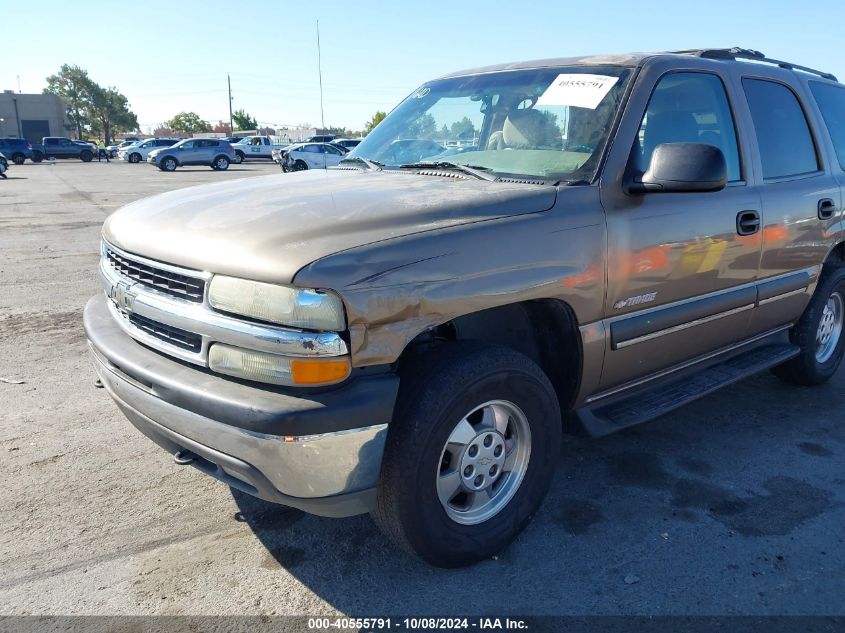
[{"x": 684, "y": 167}]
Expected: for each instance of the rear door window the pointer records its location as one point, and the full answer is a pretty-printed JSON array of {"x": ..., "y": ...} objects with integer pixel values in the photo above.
[
  {"x": 783, "y": 136},
  {"x": 831, "y": 102}
]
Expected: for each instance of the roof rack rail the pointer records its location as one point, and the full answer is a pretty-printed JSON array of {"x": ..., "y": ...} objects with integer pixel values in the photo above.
[{"x": 747, "y": 53}]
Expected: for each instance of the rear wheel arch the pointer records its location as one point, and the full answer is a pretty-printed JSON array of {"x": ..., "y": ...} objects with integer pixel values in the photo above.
[{"x": 836, "y": 256}]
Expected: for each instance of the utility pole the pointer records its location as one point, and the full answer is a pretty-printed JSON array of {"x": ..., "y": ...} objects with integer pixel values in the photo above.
[
  {"x": 320, "y": 75},
  {"x": 231, "y": 125}
]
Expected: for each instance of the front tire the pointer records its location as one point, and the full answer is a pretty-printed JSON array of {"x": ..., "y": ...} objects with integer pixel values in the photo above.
[
  {"x": 37, "y": 157},
  {"x": 239, "y": 158},
  {"x": 134, "y": 157},
  {"x": 819, "y": 333},
  {"x": 86, "y": 156},
  {"x": 168, "y": 164},
  {"x": 470, "y": 455}
]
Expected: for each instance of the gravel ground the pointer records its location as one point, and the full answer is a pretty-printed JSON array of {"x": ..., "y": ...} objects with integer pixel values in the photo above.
[{"x": 733, "y": 505}]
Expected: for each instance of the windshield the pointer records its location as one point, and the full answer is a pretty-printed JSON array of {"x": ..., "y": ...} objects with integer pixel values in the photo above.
[{"x": 550, "y": 123}]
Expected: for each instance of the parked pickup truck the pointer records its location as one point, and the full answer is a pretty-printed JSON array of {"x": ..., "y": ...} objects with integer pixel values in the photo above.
[
  {"x": 60, "y": 147},
  {"x": 254, "y": 148},
  {"x": 626, "y": 234}
]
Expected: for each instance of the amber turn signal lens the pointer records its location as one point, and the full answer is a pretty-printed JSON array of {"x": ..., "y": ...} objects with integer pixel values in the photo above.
[{"x": 307, "y": 371}]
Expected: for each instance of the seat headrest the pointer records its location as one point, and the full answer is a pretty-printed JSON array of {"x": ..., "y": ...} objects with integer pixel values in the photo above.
[{"x": 526, "y": 128}]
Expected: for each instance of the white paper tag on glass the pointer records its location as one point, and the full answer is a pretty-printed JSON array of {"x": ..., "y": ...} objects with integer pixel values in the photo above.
[{"x": 577, "y": 90}]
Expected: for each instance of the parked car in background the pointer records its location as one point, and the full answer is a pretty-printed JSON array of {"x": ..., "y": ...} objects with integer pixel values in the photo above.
[
  {"x": 141, "y": 150},
  {"x": 320, "y": 138},
  {"x": 302, "y": 156},
  {"x": 4, "y": 165},
  {"x": 347, "y": 143},
  {"x": 212, "y": 152},
  {"x": 233, "y": 139},
  {"x": 114, "y": 150},
  {"x": 255, "y": 148},
  {"x": 60, "y": 147},
  {"x": 18, "y": 150}
]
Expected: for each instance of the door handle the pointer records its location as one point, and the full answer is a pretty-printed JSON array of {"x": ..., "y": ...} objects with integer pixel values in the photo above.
[
  {"x": 747, "y": 222},
  {"x": 826, "y": 209}
]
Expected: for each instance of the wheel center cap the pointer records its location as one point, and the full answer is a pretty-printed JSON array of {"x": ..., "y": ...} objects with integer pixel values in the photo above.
[{"x": 482, "y": 461}]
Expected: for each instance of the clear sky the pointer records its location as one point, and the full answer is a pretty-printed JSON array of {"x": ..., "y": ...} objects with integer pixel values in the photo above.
[{"x": 169, "y": 56}]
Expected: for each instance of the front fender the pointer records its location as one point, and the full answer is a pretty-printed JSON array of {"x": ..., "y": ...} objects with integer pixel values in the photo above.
[{"x": 396, "y": 289}]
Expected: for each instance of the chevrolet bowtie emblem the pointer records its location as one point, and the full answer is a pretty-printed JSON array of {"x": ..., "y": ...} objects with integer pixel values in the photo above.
[{"x": 122, "y": 295}]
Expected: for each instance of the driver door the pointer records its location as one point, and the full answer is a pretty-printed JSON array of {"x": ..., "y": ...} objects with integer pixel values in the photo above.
[{"x": 680, "y": 276}]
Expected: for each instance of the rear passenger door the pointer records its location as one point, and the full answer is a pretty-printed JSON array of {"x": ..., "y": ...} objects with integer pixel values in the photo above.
[
  {"x": 205, "y": 151},
  {"x": 800, "y": 197},
  {"x": 680, "y": 278}
]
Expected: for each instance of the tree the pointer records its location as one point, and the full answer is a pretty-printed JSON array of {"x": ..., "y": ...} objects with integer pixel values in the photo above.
[
  {"x": 162, "y": 131},
  {"x": 222, "y": 128},
  {"x": 463, "y": 129},
  {"x": 424, "y": 127},
  {"x": 108, "y": 111},
  {"x": 243, "y": 121},
  {"x": 378, "y": 117},
  {"x": 188, "y": 123},
  {"x": 74, "y": 87}
]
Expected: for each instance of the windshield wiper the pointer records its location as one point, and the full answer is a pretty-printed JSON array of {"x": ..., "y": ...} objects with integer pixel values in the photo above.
[
  {"x": 472, "y": 170},
  {"x": 371, "y": 164}
]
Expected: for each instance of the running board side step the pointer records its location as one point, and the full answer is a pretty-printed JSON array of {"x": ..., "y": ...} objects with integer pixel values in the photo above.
[{"x": 604, "y": 417}]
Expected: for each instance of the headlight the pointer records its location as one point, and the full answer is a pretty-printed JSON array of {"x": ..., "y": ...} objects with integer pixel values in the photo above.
[{"x": 295, "y": 307}]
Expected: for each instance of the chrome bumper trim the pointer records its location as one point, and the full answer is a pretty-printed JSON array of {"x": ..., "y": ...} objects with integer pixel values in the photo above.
[{"x": 312, "y": 466}]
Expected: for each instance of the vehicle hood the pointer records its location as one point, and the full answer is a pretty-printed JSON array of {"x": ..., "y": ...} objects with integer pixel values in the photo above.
[{"x": 267, "y": 228}]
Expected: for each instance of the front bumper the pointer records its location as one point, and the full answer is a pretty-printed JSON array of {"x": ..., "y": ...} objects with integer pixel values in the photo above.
[{"x": 319, "y": 451}]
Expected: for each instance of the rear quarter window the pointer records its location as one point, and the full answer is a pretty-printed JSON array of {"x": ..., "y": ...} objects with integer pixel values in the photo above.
[{"x": 831, "y": 102}]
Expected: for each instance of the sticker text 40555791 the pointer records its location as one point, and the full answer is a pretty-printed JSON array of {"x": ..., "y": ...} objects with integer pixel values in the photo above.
[{"x": 578, "y": 90}]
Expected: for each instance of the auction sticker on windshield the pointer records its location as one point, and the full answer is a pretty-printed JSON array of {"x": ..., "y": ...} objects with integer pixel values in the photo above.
[{"x": 577, "y": 90}]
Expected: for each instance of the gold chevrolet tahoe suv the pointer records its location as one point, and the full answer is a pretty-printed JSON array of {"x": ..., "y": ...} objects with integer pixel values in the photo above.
[{"x": 404, "y": 334}]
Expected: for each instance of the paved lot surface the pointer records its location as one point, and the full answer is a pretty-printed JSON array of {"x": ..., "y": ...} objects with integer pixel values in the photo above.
[{"x": 731, "y": 505}]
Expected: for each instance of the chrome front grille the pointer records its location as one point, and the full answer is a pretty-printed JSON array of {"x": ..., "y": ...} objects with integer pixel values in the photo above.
[
  {"x": 164, "y": 307},
  {"x": 166, "y": 333},
  {"x": 156, "y": 278}
]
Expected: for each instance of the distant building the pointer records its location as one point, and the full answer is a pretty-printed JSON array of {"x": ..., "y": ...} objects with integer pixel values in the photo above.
[
  {"x": 293, "y": 134},
  {"x": 31, "y": 116}
]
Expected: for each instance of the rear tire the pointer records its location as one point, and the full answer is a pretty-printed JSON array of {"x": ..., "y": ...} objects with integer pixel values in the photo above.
[
  {"x": 18, "y": 159},
  {"x": 819, "y": 333},
  {"x": 431, "y": 495},
  {"x": 86, "y": 156},
  {"x": 221, "y": 163}
]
